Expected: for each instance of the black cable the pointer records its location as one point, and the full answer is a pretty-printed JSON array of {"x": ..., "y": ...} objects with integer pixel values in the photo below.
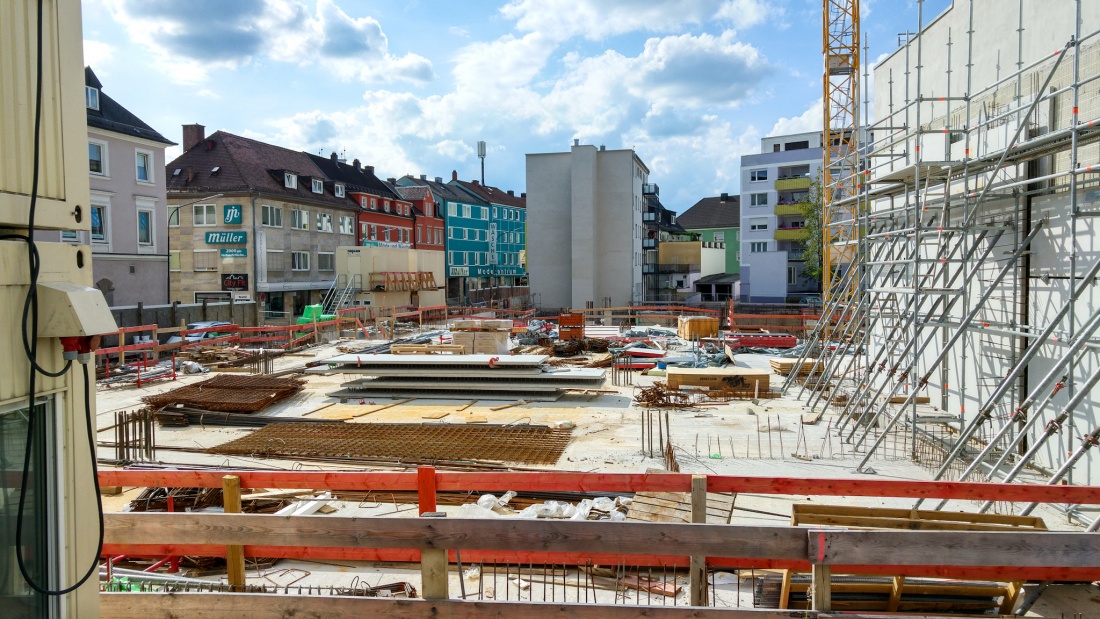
[{"x": 30, "y": 348}]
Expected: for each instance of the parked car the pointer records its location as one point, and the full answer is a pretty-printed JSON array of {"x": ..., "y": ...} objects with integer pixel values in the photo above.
[{"x": 197, "y": 337}]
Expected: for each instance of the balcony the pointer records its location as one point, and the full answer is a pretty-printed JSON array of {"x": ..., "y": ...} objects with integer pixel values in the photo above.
[
  {"x": 791, "y": 184},
  {"x": 651, "y": 189},
  {"x": 792, "y": 234},
  {"x": 649, "y": 217},
  {"x": 788, "y": 209},
  {"x": 649, "y": 243},
  {"x": 677, "y": 268}
]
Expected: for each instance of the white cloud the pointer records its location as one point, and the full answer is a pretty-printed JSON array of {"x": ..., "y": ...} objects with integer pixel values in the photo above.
[
  {"x": 810, "y": 120},
  {"x": 748, "y": 13},
  {"x": 97, "y": 53},
  {"x": 454, "y": 149},
  {"x": 192, "y": 39}
]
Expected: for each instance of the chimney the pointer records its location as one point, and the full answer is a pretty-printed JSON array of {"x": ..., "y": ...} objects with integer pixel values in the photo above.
[
  {"x": 423, "y": 177},
  {"x": 439, "y": 179},
  {"x": 602, "y": 147},
  {"x": 391, "y": 180},
  {"x": 355, "y": 162},
  {"x": 368, "y": 169},
  {"x": 725, "y": 197},
  {"x": 523, "y": 195},
  {"x": 511, "y": 192},
  {"x": 576, "y": 142},
  {"x": 454, "y": 175},
  {"x": 476, "y": 183},
  {"x": 192, "y": 135},
  {"x": 335, "y": 158}
]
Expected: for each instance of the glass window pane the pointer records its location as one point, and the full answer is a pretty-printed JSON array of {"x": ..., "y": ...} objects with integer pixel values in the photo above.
[{"x": 145, "y": 230}]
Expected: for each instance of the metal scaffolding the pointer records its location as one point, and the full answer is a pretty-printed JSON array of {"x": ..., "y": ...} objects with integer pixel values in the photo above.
[{"x": 975, "y": 305}]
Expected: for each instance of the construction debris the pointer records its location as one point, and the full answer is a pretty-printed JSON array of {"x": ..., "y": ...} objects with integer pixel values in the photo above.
[{"x": 238, "y": 394}]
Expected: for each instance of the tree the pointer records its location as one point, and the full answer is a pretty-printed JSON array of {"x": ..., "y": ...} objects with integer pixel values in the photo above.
[{"x": 813, "y": 244}]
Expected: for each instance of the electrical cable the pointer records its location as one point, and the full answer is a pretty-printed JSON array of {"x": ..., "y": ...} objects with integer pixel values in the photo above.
[{"x": 30, "y": 349}]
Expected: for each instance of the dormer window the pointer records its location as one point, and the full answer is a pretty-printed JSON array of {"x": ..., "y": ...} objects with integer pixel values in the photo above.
[
  {"x": 339, "y": 190},
  {"x": 318, "y": 186},
  {"x": 290, "y": 180},
  {"x": 91, "y": 97}
]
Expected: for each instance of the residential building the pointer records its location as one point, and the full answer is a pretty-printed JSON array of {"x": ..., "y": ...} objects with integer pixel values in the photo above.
[
  {"x": 428, "y": 220},
  {"x": 128, "y": 206},
  {"x": 252, "y": 218},
  {"x": 466, "y": 217},
  {"x": 717, "y": 221},
  {"x": 507, "y": 232},
  {"x": 384, "y": 217},
  {"x": 773, "y": 183},
  {"x": 585, "y": 208},
  {"x": 668, "y": 260}
]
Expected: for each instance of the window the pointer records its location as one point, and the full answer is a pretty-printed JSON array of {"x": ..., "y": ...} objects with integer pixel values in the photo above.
[
  {"x": 145, "y": 227},
  {"x": 290, "y": 180},
  {"x": 758, "y": 175},
  {"x": 275, "y": 262},
  {"x": 338, "y": 189},
  {"x": 174, "y": 260},
  {"x": 91, "y": 98},
  {"x": 204, "y": 215},
  {"x": 271, "y": 216},
  {"x": 438, "y": 237},
  {"x": 452, "y": 210},
  {"x": 318, "y": 186},
  {"x": 326, "y": 261},
  {"x": 143, "y": 163},
  {"x": 299, "y": 261},
  {"x": 97, "y": 157},
  {"x": 386, "y": 206},
  {"x": 802, "y": 145},
  {"x": 347, "y": 225},
  {"x": 206, "y": 259},
  {"x": 299, "y": 219},
  {"x": 373, "y": 204},
  {"x": 99, "y": 224},
  {"x": 466, "y": 210},
  {"x": 758, "y": 247},
  {"x": 418, "y": 236},
  {"x": 791, "y": 275},
  {"x": 758, "y": 199},
  {"x": 374, "y": 233},
  {"x": 720, "y": 237},
  {"x": 758, "y": 223},
  {"x": 495, "y": 213},
  {"x": 324, "y": 222},
  {"x": 173, "y": 216},
  {"x": 363, "y": 201}
]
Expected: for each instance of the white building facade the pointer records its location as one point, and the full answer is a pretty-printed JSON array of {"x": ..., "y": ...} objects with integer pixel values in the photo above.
[
  {"x": 772, "y": 224},
  {"x": 584, "y": 227}
]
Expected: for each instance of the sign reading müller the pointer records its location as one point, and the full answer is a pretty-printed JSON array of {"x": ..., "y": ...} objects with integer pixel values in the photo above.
[
  {"x": 234, "y": 282},
  {"x": 226, "y": 238}
]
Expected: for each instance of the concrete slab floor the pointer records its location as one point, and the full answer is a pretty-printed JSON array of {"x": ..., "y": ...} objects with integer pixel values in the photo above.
[{"x": 737, "y": 438}]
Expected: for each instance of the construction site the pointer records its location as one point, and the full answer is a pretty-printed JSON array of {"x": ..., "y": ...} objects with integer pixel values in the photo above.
[{"x": 922, "y": 445}]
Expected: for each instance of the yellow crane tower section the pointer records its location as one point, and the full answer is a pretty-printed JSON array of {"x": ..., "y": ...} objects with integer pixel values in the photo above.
[{"x": 840, "y": 171}]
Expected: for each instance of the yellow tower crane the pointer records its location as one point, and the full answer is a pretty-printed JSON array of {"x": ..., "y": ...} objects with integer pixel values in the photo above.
[{"x": 840, "y": 172}]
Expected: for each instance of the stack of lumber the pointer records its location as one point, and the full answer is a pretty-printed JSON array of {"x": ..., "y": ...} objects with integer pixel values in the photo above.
[
  {"x": 482, "y": 337},
  {"x": 719, "y": 378},
  {"x": 783, "y": 367},
  {"x": 210, "y": 355},
  {"x": 695, "y": 327},
  {"x": 428, "y": 349}
]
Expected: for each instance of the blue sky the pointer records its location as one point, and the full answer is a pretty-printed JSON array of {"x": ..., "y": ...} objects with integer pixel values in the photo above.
[{"x": 410, "y": 87}]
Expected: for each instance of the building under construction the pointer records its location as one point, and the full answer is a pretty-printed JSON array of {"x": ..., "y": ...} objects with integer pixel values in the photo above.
[{"x": 963, "y": 245}]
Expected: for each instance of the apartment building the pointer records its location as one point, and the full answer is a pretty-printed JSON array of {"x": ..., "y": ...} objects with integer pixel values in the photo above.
[
  {"x": 128, "y": 206},
  {"x": 584, "y": 212},
  {"x": 717, "y": 222},
  {"x": 507, "y": 232},
  {"x": 254, "y": 220},
  {"x": 773, "y": 234}
]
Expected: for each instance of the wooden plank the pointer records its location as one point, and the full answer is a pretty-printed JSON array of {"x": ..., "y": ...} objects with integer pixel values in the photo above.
[
  {"x": 803, "y": 510},
  {"x": 698, "y": 571},
  {"x": 970, "y": 548},
  {"x": 896, "y": 585},
  {"x": 433, "y": 574},
  {"x": 915, "y": 524},
  {"x": 821, "y": 595},
  {"x": 234, "y": 553},
  {"x": 269, "y": 606},
  {"x": 435, "y": 415},
  {"x": 565, "y": 536}
]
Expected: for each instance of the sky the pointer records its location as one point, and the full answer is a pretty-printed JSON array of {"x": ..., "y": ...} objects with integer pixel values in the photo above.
[{"x": 410, "y": 87}]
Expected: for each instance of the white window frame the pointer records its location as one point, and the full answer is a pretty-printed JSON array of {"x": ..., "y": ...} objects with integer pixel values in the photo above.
[
  {"x": 324, "y": 222},
  {"x": 466, "y": 210},
  {"x": 338, "y": 189},
  {"x": 174, "y": 216},
  {"x": 332, "y": 261},
  {"x": 152, "y": 227},
  {"x": 720, "y": 237},
  {"x": 150, "y": 165},
  {"x": 758, "y": 223},
  {"x": 418, "y": 233},
  {"x": 290, "y": 180},
  {"x": 271, "y": 216},
  {"x": 792, "y": 275},
  {"x": 91, "y": 97},
  {"x": 105, "y": 224},
  {"x": 296, "y": 257},
  {"x": 318, "y": 185},
  {"x": 105, "y": 169},
  {"x": 210, "y": 212},
  {"x": 758, "y": 199},
  {"x": 302, "y": 217},
  {"x": 347, "y": 224},
  {"x": 756, "y": 176},
  {"x": 452, "y": 209},
  {"x": 195, "y": 262},
  {"x": 758, "y": 247},
  {"x": 174, "y": 258}
]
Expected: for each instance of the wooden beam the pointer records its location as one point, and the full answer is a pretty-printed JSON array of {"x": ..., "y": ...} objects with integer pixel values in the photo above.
[
  {"x": 971, "y": 548},
  {"x": 234, "y": 553},
  {"x": 698, "y": 573},
  {"x": 821, "y": 594},
  {"x": 269, "y": 606},
  {"x": 461, "y": 534}
]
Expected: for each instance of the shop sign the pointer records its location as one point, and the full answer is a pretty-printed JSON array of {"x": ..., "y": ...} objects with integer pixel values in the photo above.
[
  {"x": 231, "y": 214},
  {"x": 226, "y": 238},
  {"x": 235, "y": 281},
  {"x": 233, "y": 252}
]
